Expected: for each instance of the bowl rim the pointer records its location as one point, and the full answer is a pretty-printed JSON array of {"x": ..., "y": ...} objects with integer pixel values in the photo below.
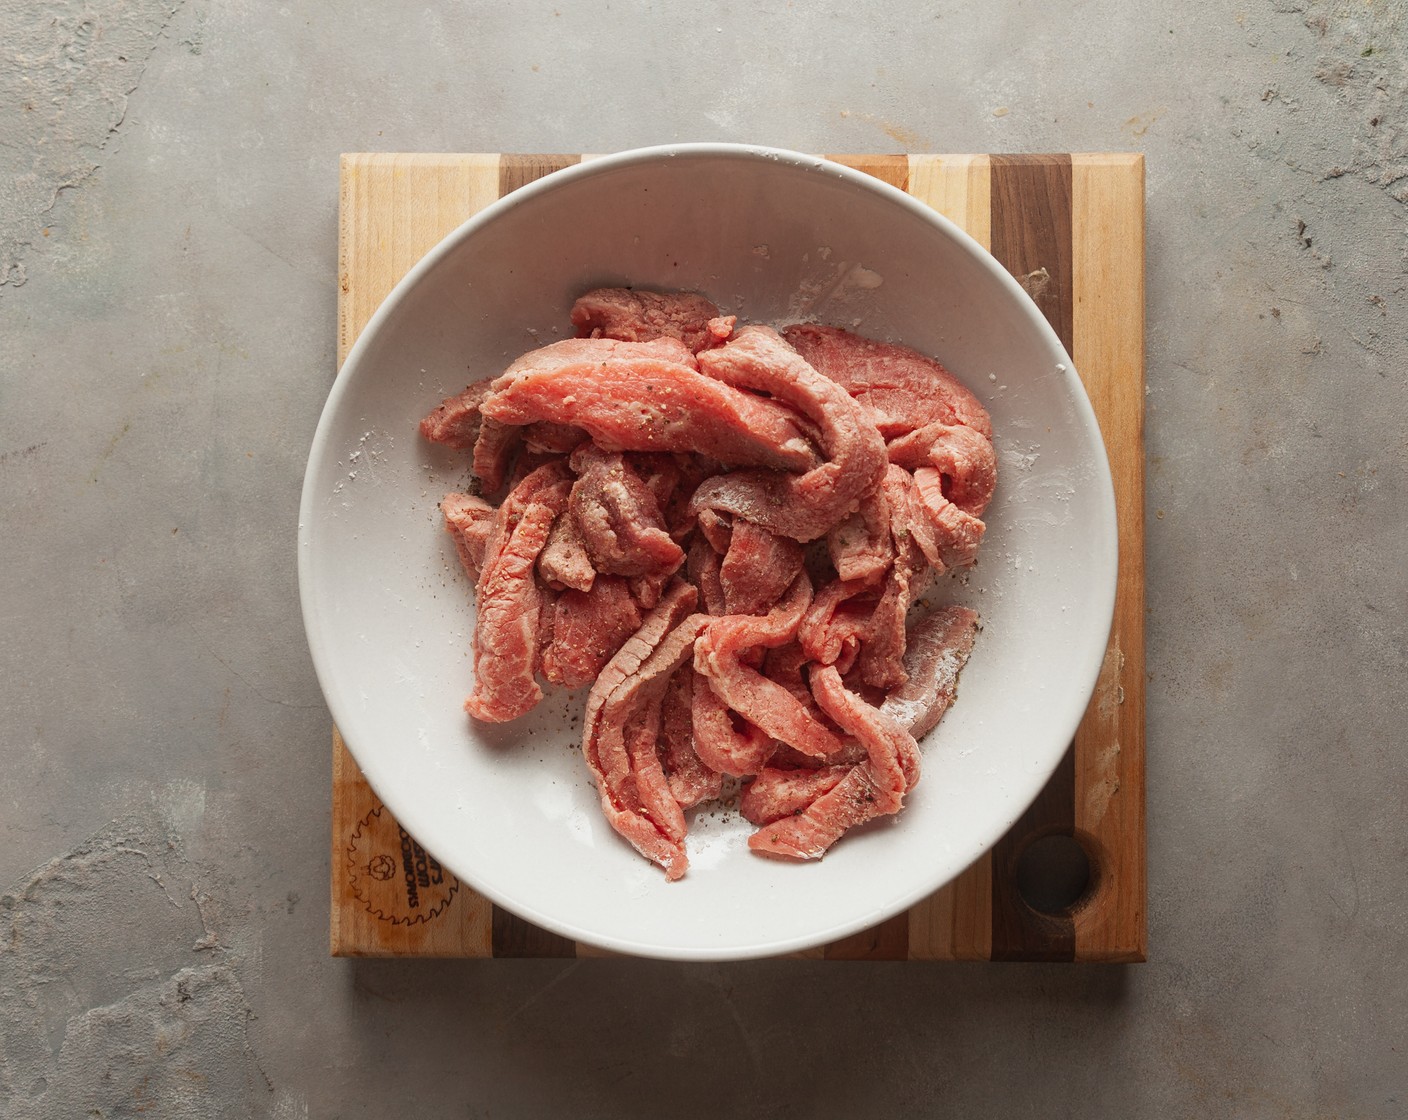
[{"x": 1106, "y": 558}]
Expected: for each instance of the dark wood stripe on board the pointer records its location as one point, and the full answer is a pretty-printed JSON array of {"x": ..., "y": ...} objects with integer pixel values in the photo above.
[
  {"x": 514, "y": 937},
  {"x": 516, "y": 171},
  {"x": 1031, "y": 237},
  {"x": 1031, "y": 232},
  {"x": 519, "y": 170}
]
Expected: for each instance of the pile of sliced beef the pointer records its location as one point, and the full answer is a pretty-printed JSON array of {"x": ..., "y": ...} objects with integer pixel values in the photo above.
[{"x": 721, "y": 530}]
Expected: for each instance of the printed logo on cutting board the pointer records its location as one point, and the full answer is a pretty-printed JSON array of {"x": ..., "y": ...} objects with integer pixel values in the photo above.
[{"x": 392, "y": 876}]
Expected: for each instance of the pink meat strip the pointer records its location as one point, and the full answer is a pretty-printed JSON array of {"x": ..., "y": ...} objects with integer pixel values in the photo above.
[
  {"x": 958, "y": 534},
  {"x": 832, "y": 621},
  {"x": 564, "y": 561},
  {"x": 703, "y": 569},
  {"x": 636, "y": 315},
  {"x": 630, "y": 778},
  {"x": 757, "y": 569},
  {"x": 455, "y": 421},
  {"x": 716, "y": 529},
  {"x": 572, "y": 352},
  {"x": 908, "y": 516},
  {"x": 547, "y": 618},
  {"x": 720, "y": 330},
  {"x": 661, "y": 475},
  {"x": 618, "y": 518},
  {"x": 938, "y": 649},
  {"x": 718, "y": 655},
  {"x": 784, "y": 665},
  {"x": 678, "y": 515},
  {"x": 646, "y": 590},
  {"x": 881, "y": 660},
  {"x": 775, "y": 794},
  {"x": 786, "y": 758},
  {"x": 848, "y": 625},
  {"x": 691, "y": 779},
  {"x": 963, "y": 457},
  {"x": 803, "y": 506},
  {"x": 902, "y": 387},
  {"x": 469, "y": 521},
  {"x": 652, "y": 793},
  {"x": 633, "y": 397},
  {"x": 872, "y": 789},
  {"x": 726, "y": 743},
  {"x": 526, "y": 462},
  {"x": 494, "y": 451},
  {"x": 860, "y": 545},
  {"x": 588, "y": 628},
  {"x": 509, "y": 599},
  {"x": 553, "y": 439}
]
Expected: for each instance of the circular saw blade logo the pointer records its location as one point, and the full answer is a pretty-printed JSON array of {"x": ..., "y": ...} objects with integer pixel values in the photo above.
[{"x": 392, "y": 876}]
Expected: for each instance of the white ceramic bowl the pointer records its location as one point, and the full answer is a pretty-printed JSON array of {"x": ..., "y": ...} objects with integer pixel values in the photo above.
[{"x": 770, "y": 235}]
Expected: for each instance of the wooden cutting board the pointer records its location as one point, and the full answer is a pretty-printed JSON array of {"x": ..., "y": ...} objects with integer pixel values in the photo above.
[{"x": 1071, "y": 229}]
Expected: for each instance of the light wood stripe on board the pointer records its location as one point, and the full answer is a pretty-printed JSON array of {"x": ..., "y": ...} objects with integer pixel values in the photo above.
[
  {"x": 955, "y": 923},
  {"x": 1107, "y": 200}
]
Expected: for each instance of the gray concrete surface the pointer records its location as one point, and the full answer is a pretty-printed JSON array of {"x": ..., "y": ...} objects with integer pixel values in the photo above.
[{"x": 167, "y": 245}]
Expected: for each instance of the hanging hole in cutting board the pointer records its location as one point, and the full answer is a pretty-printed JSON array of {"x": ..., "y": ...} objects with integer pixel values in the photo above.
[{"x": 1053, "y": 874}]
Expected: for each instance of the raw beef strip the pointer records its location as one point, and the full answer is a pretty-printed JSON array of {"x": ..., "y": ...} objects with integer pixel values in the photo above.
[
  {"x": 958, "y": 534},
  {"x": 860, "y": 545},
  {"x": 716, "y": 529},
  {"x": 660, "y": 473},
  {"x": 547, "y": 618},
  {"x": 834, "y": 621},
  {"x": 861, "y": 623},
  {"x": 881, "y": 660},
  {"x": 634, "y": 793},
  {"x": 720, "y": 330},
  {"x": 470, "y": 521},
  {"x": 693, "y": 469},
  {"x": 784, "y": 757},
  {"x": 801, "y": 506},
  {"x": 564, "y": 561},
  {"x": 455, "y": 421},
  {"x": 493, "y": 452},
  {"x": 574, "y": 351},
  {"x": 784, "y": 665},
  {"x": 718, "y": 655},
  {"x": 775, "y": 794},
  {"x": 757, "y": 569},
  {"x": 588, "y": 629},
  {"x": 703, "y": 571},
  {"x": 908, "y": 516},
  {"x": 554, "y": 439},
  {"x": 652, "y": 789},
  {"x": 872, "y": 789},
  {"x": 904, "y": 389},
  {"x": 640, "y": 316},
  {"x": 526, "y": 462},
  {"x": 727, "y": 743},
  {"x": 962, "y": 456},
  {"x": 646, "y": 590},
  {"x": 691, "y": 780},
  {"x": 938, "y": 648},
  {"x": 618, "y": 518},
  {"x": 629, "y": 398},
  {"x": 506, "y": 628}
]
